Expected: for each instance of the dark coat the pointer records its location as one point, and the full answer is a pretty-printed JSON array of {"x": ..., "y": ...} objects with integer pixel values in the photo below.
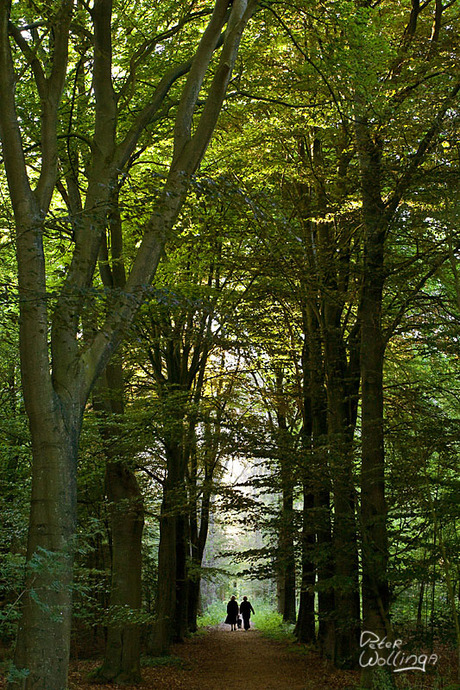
[
  {"x": 232, "y": 612},
  {"x": 245, "y": 610}
]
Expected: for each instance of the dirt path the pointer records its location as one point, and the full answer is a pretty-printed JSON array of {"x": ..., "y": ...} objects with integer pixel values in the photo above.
[{"x": 222, "y": 659}]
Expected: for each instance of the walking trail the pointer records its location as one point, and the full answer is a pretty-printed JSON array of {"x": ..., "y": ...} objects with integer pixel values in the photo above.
[{"x": 225, "y": 659}]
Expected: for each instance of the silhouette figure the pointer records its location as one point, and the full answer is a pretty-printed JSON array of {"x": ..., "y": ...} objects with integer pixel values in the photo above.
[
  {"x": 232, "y": 613},
  {"x": 245, "y": 610}
]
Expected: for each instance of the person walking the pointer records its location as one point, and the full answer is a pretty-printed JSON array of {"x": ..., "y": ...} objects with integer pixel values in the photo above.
[
  {"x": 245, "y": 610},
  {"x": 232, "y": 613}
]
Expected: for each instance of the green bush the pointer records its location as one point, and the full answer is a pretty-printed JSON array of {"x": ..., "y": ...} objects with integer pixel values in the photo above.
[
  {"x": 271, "y": 624},
  {"x": 213, "y": 615}
]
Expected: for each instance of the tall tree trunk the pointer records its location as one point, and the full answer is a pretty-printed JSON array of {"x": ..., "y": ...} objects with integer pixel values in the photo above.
[
  {"x": 42, "y": 649},
  {"x": 318, "y": 514},
  {"x": 305, "y": 627},
  {"x": 198, "y": 538},
  {"x": 325, "y": 570},
  {"x": 194, "y": 578},
  {"x": 286, "y": 555},
  {"x": 345, "y": 547},
  {"x": 171, "y": 596},
  {"x": 331, "y": 261},
  {"x": 161, "y": 635},
  {"x": 346, "y": 594},
  {"x": 375, "y": 590},
  {"x": 122, "y": 653},
  {"x": 285, "y": 552},
  {"x": 193, "y": 601},
  {"x": 182, "y": 561}
]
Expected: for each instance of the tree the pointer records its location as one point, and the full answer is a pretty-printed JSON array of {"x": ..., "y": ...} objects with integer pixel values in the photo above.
[
  {"x": 359, "y": 77},
  {"x": 57, "y": 384}
]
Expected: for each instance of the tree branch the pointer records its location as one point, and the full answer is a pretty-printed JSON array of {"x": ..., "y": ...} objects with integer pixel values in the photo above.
[
  {"x": 50, "y": 103},
  {"x": 159, "y": 227},
  {"x": 198, "y": 69},
  {"x": 149, "y": 45},
  {"x": 403, "y": 183}
]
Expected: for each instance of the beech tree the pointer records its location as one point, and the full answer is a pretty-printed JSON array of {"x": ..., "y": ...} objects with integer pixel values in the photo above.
[
  {"x": 361, "y": 114},
  {"x": 58, "y": 376},
  {"x": 345, "y": 153}
]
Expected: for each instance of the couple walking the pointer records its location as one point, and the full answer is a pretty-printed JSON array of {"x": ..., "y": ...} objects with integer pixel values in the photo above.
[{"x": 245, "y": 609}]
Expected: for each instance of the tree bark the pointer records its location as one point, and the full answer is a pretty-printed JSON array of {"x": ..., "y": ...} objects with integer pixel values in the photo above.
[
  {"x": 345, "y": 547},
  {"x": 286, "y": 564},
  {"x": 375, "y": 590},
  {"x": 162, "y": 632},
  {"x": 55, "y": 403},
  {"x": 171, "y": 608},
  {"x": 122, "y": 653},
  {"x": 286, "y": 555},
  {"x": 182, "y": 562},
  {"x": 198, "y": 537},
  {"x": 305, "y": 627},
  {"x": 42, "y": 648}
]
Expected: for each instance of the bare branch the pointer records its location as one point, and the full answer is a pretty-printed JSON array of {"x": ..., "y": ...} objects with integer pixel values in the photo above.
[
  {"x": 198, "y": 69},
  {"x": 188, "y": 154},
  {"x": 31, "y": 57},
  {"x": 50, "y": 104},
  {"x": 127, "y": 146}
]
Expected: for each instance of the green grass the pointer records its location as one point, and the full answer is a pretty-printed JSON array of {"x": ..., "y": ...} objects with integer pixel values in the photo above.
[
  {"x": 175, "y": 661},
  {"x": 271, "y": 624},
  {"x": 213, "y": 615}
]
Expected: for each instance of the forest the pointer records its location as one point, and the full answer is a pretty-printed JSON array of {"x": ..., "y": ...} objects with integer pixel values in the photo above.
[{"x": 229, "y": 331}]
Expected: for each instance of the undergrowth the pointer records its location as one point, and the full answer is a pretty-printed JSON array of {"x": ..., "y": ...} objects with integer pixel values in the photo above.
[
  {"x": 265, "y": 619},
  {"x": 150, "y": 661}
]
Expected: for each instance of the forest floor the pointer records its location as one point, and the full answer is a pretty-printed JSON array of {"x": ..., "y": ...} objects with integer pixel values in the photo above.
[
  {"x": 220, "y": 659},
  {"x": 217, "y": 659}
]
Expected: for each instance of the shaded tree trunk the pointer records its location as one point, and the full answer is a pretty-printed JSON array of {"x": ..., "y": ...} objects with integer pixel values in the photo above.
[
  {"x": 42, "y": 648},
  {"x": 329, "y": 253},
  {"x": 305, "y": 627},
  {"x": 325, "y": 569},
  {"x": 375, "y": 590},
  {"x": 286, "y": 565},
  {"x": 286, "y": 556},
  {"x": 182, "y": 579},
  {"x": 345, "y": 547},
  {"x": 122, "y": 653},
  {"x": 161, "y": 635},
  {"x": 171, "y": 605},
  {"x": 198, "y": 538},
  {"x": 317, "y": 515}
]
